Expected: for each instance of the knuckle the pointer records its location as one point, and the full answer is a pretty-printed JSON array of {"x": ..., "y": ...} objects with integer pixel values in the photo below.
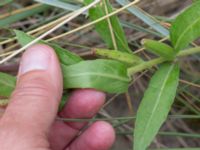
[
  {"x": 35, "y": 91},
  {"x": 37, "y": 87}
]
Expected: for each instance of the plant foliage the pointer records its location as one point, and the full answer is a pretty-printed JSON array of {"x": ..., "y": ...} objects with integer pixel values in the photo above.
[
  {"x": 185, "y": 29},
  {"x": 155, "y": 104},
  {"x": 103, "y": 27},
  {"x": 111, "y": 75}
]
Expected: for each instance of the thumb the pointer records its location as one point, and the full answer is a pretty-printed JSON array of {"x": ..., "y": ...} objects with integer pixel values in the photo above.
[{"x": 35, "y": 100}]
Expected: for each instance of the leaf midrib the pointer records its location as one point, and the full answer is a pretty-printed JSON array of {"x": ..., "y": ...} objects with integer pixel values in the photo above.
[
  {"x": 157, "y": 100},
  {"x": 100, "y": 74},
  {"x": 4, "y": 82},
  {"x": 186, "y": 30}
]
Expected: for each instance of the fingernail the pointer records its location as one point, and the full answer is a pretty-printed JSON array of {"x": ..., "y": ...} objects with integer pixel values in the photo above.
[{"x": 36, "y": 57}]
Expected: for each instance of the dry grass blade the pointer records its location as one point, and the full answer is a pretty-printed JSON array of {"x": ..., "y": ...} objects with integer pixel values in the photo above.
[
  {"x": 94, "y": 22},
  {"x": 77, "y": 13}
]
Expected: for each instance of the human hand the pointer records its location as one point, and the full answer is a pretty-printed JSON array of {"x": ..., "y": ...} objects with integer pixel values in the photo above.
[{"x": 29, "y": 120}]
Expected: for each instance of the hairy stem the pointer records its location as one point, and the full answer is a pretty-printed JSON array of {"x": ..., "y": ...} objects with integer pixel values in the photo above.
[{"x": 153, "y": 62}]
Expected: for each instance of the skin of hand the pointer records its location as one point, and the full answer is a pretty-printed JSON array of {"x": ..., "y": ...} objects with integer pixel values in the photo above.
[{"x": 29, "y": 123}]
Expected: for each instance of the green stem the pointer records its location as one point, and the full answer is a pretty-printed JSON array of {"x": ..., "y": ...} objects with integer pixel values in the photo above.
[
  {"x": 178, "y": 134},
  {"x": 145, "y": 65},
  {"x": 189, "y": 51},
  {"x": 151, "y": 63},
  {"x": 125, "y": 118}
]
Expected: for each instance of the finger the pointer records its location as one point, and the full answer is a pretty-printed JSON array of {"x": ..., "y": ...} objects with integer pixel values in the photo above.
[
  {"x": 35, "y": 100},
  {"x": 83, "y": 103},
  {"x": 99, "y": 136}
]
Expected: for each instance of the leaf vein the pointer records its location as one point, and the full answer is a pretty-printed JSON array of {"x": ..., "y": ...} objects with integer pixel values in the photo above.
[{"x": 157, "y": 101}]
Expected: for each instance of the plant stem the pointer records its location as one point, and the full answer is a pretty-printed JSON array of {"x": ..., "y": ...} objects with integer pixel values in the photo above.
[
  {"x": 145, "y": 65},
  {"x": 178, "y": 134},
  {"x": 189, "y": 51},
  {"x": 153, "y": 62},
  {"x": 125, "y": 118}
]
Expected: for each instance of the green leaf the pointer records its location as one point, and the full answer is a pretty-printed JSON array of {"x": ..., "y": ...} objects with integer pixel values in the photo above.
[
  {"x": 185, "y": 29},
  {"x": 87, "y": 74},
  {"x": 66, "y": 57},
  {"x": 7, "y": 84},
  {"x": 103, "y": 29},
  {"x": 160, "y": 49},
  {"x": 23, "y": 38},
  {"x": 105, "y": 75},
  {"x": 155, "y": 104},
  {"x": 124, "y": 57}
]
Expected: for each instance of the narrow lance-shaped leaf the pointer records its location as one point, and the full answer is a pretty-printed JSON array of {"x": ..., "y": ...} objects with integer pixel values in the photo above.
[
  {"x": 160, "y": 49},
  {"x": 88, "y": 74},
  {"x": 185, "y": 29},
  {"x": 155, "y": 105},
  {"x": 7, "y": 84},
  {"x": 66, "y": 57},
  {"x": 105, "y": 75},
  {"x": 124, "y": 57},
  {"x": 103, "y": 29}
]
